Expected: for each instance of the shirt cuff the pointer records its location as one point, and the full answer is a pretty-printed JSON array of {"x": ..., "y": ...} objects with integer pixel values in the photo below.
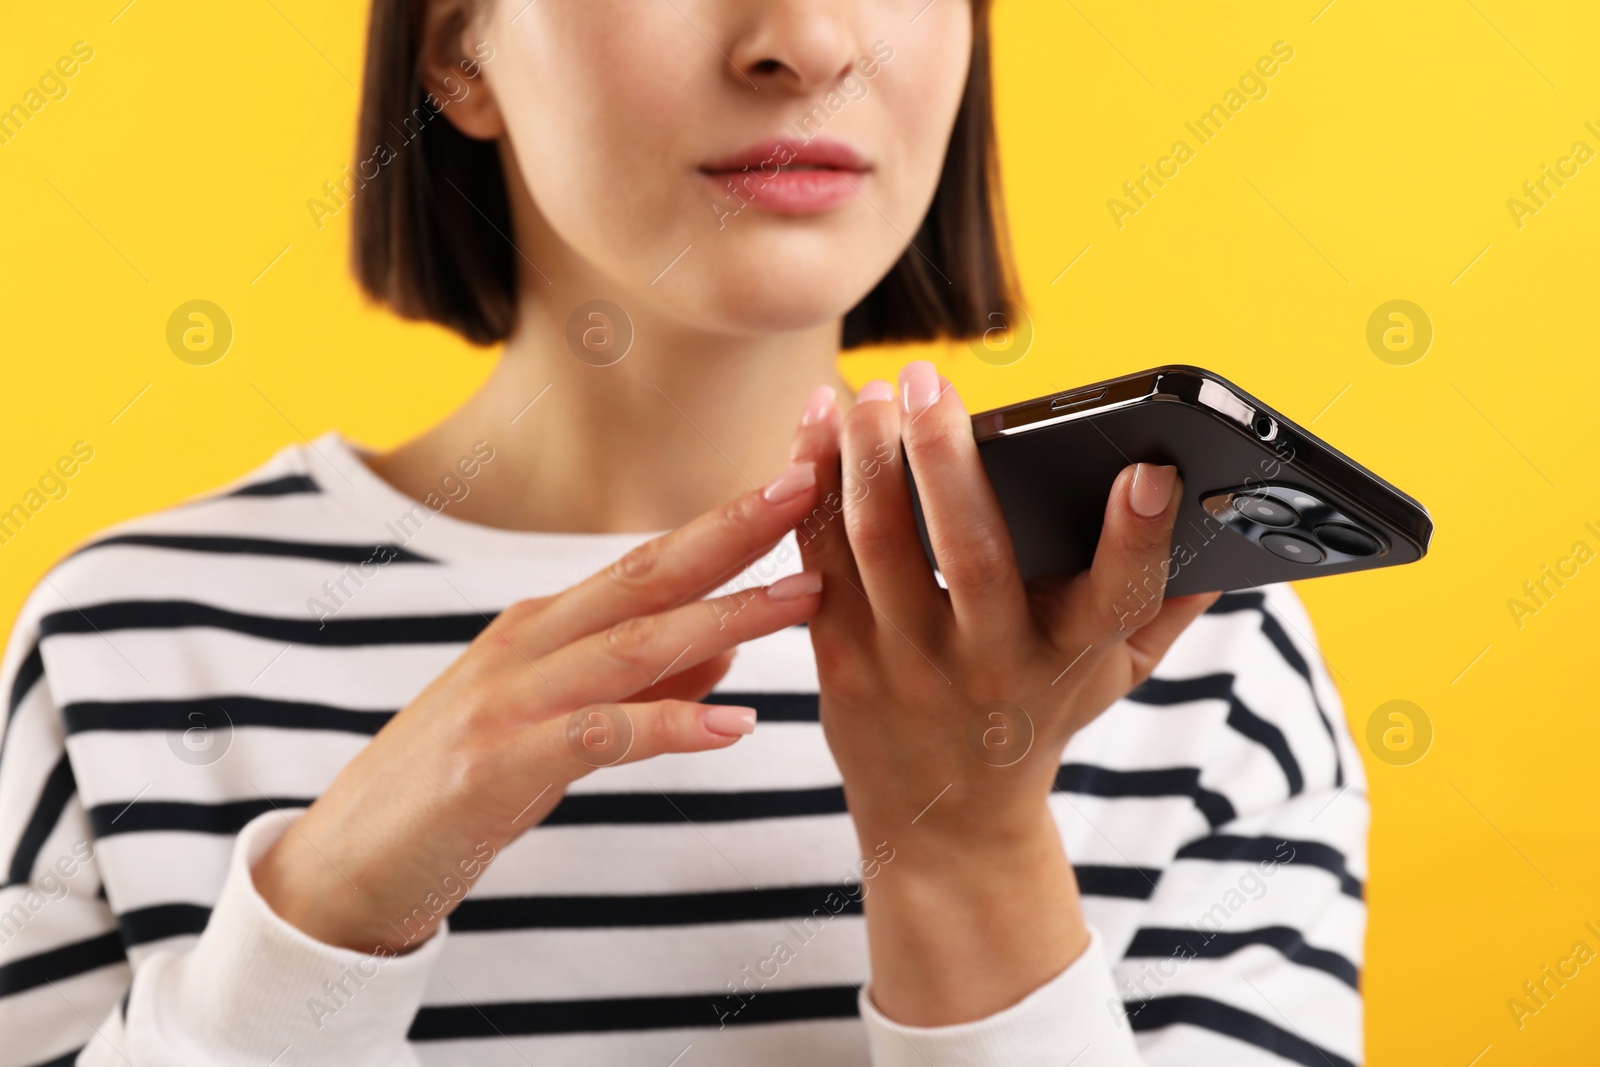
[
  {"x": 253, "y": 985},
  {"x": 1076, "y": 1017}
]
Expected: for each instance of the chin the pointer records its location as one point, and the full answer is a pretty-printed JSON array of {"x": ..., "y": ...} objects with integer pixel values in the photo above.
[
  {"x": 800, "y": 304},
  {"x": 783, "y": 289}
]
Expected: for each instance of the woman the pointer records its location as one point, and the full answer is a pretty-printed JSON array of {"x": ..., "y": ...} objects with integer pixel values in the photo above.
[{"x": 260, "y": 747}]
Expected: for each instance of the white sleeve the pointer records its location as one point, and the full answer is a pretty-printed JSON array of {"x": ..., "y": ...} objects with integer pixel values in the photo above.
[
  {"x": 254, "y": 987},
  {"x": 1075, "y": 1018}
]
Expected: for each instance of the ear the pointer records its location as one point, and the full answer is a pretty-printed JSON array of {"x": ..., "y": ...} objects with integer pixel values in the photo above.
[{"x": 450, "y": 64}]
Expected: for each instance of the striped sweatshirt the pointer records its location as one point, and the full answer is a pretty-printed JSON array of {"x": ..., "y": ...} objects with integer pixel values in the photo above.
[{"x": 177, "y": 691}]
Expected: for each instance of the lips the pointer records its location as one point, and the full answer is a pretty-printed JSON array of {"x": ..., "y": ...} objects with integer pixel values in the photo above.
[
  {"x": 819, "y": 153},
  {"x": 788, "y": 176}
]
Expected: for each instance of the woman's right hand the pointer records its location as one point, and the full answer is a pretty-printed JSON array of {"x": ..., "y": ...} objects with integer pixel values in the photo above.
[{"x": 483, "y": 753}]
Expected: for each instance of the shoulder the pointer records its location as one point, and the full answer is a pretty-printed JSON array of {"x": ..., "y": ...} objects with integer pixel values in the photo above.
[
  {"x": 1265, "y": 640},
  {"x": 220, "y": 548},
  {"x": 279, "y": 510},
  {"x": 1245, "y": 698}
]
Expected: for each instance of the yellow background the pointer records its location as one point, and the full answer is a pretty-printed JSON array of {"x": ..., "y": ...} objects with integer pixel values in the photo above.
[{"x": 1377, "y": 167}]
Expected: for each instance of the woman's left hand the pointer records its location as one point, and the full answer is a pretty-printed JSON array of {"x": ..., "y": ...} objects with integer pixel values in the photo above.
[{"x": 947, "y": 712}]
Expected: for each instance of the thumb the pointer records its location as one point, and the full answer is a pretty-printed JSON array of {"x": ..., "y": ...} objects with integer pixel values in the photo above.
[{"x": 1123, "y": 588}]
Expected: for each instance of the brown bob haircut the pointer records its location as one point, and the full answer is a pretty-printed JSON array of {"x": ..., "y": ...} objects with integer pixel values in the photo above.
[{"x": 443, "y": 254}]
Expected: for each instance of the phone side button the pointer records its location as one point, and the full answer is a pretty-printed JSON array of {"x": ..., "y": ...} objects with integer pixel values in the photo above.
[{"x": 1072, "y": 400}]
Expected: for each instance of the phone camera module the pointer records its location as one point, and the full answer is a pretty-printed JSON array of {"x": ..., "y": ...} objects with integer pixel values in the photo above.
[
  {"x": 1264, "y": 426},
  {"x": 1266, "y": 510},
  {"x": 1347, "y": 539},
  {"x": 1294, "y": 549}
]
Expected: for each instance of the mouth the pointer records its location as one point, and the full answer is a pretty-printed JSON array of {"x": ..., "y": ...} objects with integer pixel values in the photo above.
[{"x": 788, "y": 176}]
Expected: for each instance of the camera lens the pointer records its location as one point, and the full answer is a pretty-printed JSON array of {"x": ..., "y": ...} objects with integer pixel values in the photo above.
[
  {"x": 1347, "y": 539},
  {"x": 1266, "y": 510},
  {"x": 1264, "y": 427},
  {"x": 1294, "y": 549}
]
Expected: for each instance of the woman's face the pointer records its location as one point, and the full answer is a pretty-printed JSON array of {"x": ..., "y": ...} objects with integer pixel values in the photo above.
[{"x": 742, "y": 166}]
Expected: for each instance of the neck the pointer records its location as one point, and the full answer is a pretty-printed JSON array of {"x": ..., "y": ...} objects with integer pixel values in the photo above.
[{"x": 684, "y": 422}]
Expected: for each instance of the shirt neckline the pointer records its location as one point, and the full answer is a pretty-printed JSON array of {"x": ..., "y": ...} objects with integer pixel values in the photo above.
[{"x": 338, "y": 467}]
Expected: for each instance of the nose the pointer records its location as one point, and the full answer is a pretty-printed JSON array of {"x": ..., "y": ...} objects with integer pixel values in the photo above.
[{"x": 798, "y": 46}]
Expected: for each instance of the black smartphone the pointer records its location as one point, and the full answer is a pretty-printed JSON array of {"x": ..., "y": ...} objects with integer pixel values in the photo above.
[{"x": 1264, "y": 500}]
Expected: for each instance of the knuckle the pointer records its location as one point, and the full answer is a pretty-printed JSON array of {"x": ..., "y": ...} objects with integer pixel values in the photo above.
[
  {"x": 819, "y": 523},
  {"x": 933, "y": 437},
  {"x": 867, "y": 424},
  {"x": 981, "y": 567},
  {"x": 1149, "y": 538},
  {"x": 872, "y": 543},
  {"x": 629, "y": 642},
  {"x": 837, "y": 662},
  {"x": 638, "y": 566},
  {"x": 1136, "y": 604},
  {"x": 677, "y": 726},
  {"x": 736, "y": 513},
  {"x": 832, "y": 654}
]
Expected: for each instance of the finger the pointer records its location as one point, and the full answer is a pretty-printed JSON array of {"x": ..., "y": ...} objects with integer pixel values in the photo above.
[
  {"x": 965, "y": 526},
  {"x": 677, "y": 567},
  {"x": 824, "y": 544},
  {"x": 692, "y": 683},
  {"x": 602, "y": 735},
  {"x": 888, "y": 552},
  {"x": 1152, "y": 640},
  {"x": 1124, "y": 585},
  {"x": 642, "y": 650}
]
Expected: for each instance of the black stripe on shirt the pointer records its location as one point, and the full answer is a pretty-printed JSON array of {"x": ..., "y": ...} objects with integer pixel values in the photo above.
[
  {"x": 1169, "y": 691},
  {"x": 59, "y": 964},
  {"x": 227, "y": 817},
  {"x": 288, "y": 485},
  {"x": 337, "y": 632},
  {"x": 1207, "y": 1014},
  {"x": 1273, "y": 850},
  {"x": 178, "y": 715},
  {"x": 1131, "y": 883},
  {"x": 590, "y": 809},
  {"x": 1202, "y": 943},
  {"x": 664, "y": 909},
  {"x": 723, "y": 906},
  {"x": 140, "y": 926},
  {"x": 377, "y": 553},
  {"x": 1274, "y": 632},
  {"x": 693, "y": 1011},
  {"x": 29, "y": 672},
  {"x": 1096, "y": 781},
  {"x": 659, "y": 808},
  {"x": 58, "y": 791},
  {"x": 486, "y": 914},
  {"x": 66, "y": 1060}
]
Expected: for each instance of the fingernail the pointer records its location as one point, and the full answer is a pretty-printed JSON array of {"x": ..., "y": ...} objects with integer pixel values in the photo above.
[
  {"x": 946, "y": 387},
  {"x": 919, "y": 386},
  {"x": 796, "y": 585},
  {"x": 729, "y": 721},
  {"x": 818, "y": 404},
  {"x": 791, "y": 483},
  {"x": 877, "y": 389},
  {"x": 1152, "y": 489}
]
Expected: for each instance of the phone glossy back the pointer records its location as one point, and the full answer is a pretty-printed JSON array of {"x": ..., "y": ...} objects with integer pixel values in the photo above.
[{"x": 1263, "y": 500}]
